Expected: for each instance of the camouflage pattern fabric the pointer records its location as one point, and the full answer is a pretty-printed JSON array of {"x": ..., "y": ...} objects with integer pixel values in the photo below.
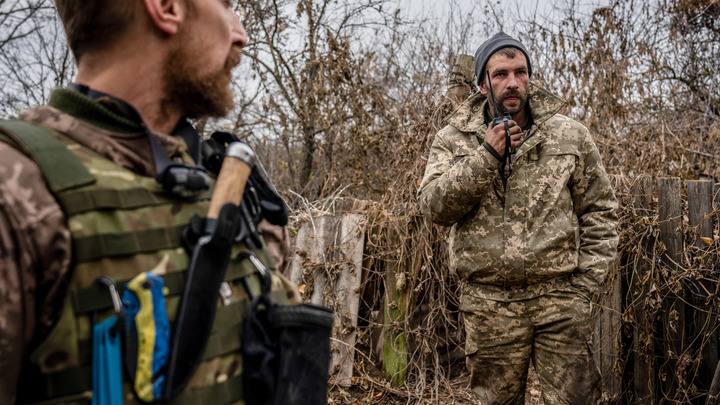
[
  {"x": 553, "y": 329},
  {"x": 531, "y": 253},
  {"x": 33, "y": 235},
  {"x": 556, "y": 217}
]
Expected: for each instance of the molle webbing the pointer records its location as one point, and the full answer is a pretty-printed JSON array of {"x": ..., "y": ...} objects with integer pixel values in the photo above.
[
  {"x": 95, "y": 298},
  {"x": 94, "y": 247},
  {"x": 79, "y": 201},
  {"x": 62, "y": 170},
  {"x": 88, "y": 200}
]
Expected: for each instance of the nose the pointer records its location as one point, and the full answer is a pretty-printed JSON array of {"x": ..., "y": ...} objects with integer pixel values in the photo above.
[
  {"x": 512, "y": 82},
  {"x": 239, "y": 36}
]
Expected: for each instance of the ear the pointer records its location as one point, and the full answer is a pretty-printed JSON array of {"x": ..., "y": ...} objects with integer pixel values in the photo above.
[
  {"x": 482, "y": 88},
  {"x": 166, "y": 14}
]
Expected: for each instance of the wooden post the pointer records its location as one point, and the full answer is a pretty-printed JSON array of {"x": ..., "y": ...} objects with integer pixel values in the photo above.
[
  {"x": 700, "y": 197},
  {"x": 644, "y": 378},
  {"x": 395, "y": 345},
  {"x": 674, "y": 311},
  {"x": 461, "y": 78},
  {"x": 331, "y": 249},
  {"x": 607, "y": 335}
]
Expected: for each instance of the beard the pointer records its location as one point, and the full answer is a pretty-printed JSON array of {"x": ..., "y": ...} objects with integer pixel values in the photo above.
[
  {"x": 197, "y": 95},
  {"x": 522, "y": 97}
]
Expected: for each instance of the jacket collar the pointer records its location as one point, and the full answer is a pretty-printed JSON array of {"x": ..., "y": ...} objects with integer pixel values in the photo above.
[{"x": 468, "y": 116}]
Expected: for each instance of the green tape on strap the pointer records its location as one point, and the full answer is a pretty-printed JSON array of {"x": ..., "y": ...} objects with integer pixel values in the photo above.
[{"x": 61, "y": 168}]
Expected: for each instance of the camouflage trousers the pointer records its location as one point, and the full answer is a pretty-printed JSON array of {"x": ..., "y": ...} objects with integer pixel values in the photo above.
[{"x": 554, "y": 330}]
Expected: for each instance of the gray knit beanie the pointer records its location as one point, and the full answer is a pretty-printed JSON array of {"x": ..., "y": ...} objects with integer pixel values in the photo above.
[{"x": 492, "y": 45}]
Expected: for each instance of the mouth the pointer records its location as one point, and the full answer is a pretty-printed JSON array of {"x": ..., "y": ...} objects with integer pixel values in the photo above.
[
  {"x": 511, "y": 95},
  {"x": 233, "y": 59}
]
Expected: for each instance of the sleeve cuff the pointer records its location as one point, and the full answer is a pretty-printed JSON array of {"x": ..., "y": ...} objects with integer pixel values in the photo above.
[{"x": 492, "y": 151}]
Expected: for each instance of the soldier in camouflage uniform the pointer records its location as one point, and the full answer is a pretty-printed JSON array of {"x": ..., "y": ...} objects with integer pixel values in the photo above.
[
  {"x": 530, "y": 251},
  {"x": 143, "y": 68}
]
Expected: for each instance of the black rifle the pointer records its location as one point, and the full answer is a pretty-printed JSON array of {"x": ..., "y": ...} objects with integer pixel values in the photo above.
[{"x": 506, "y": 168}]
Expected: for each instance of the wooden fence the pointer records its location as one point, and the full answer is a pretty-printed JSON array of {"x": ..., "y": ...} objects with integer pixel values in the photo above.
[
  {"x": 656, "y": 339},
  {"x": 656, "y": 335}
]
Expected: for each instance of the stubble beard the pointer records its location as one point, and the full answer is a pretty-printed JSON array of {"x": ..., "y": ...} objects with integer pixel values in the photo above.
[
  {"x": 522, "y": 97},
  {"x": 193, "y": 94}
]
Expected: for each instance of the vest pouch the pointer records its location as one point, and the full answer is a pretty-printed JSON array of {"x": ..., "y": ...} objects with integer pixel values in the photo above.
[
  {"x": 286, "y": 354},
  {"x": 304, "y": 353}
]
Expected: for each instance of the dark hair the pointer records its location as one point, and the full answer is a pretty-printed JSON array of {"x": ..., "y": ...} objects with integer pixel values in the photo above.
[{"x": 93, "y": 24}]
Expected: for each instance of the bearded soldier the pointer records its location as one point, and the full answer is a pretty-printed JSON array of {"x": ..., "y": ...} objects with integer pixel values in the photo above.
[
  {"x": 103, "y": 181},
  {"x": 533, "y": 236}
]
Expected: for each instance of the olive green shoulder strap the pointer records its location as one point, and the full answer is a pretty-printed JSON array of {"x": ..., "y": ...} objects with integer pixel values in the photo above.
[{"x": 61, "y": 168}]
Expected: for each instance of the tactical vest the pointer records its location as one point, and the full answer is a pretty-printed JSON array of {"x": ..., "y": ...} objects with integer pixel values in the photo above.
[{"x": 123, "y": 224}]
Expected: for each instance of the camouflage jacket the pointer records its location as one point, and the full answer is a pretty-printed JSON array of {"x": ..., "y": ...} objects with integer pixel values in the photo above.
[{"x": 554, "y": 220}]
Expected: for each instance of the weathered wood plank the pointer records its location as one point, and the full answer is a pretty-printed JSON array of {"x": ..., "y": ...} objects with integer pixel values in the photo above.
[
  {"x": 330, "y": 249},
  {"x": 644, "y": 381},
  {"x": 395, "y": 344},
  {"x": 674, "y": 312},
  {"x": 700, "y": 197},
  {"x": 607, "y": 335}
]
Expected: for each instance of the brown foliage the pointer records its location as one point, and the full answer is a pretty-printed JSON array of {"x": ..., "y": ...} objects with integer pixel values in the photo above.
[
  {"x": 344, "y": 99},
  {"x": 643, "y": 77}
]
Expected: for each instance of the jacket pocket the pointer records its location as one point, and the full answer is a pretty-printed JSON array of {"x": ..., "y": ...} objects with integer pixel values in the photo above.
[{"x": 457, "y": 158}]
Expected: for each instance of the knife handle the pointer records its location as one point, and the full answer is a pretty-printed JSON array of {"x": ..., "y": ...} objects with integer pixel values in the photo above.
[{"x": 234, "y": 173}]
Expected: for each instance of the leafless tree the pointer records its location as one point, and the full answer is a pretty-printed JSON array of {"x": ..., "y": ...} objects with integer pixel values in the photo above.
[{"x": 34, "y": 57}]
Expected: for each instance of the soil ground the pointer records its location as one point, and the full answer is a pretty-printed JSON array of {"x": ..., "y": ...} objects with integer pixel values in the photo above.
[{"x": 369, "y": 391}]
